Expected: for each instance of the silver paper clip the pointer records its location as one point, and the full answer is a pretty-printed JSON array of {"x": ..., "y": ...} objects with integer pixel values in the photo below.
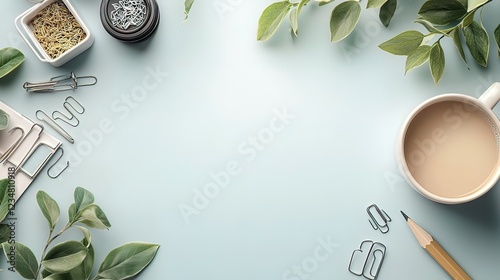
[
  {"x": 378, "y": 218},
  {"x": 62, "y": 82},
  {"x": 367, "y": 260}
]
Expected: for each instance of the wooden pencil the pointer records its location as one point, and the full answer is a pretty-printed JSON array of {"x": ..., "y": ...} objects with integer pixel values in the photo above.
[{"x": 436, "y": 251}]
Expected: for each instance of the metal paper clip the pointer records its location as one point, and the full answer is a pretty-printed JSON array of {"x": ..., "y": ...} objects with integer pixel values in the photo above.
[
  {"x": 55, "y": 163},
  {"x": 14, "y": 145},
  {"x": 62, "y": 82},
  {"x": 41, "y": 115},
  {"x": 378, "y": 218},
  {"x": 367, "y": 260},
  {"x": 71, "y": 119}
]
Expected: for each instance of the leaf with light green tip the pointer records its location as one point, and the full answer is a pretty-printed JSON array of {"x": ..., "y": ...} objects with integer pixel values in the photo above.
[
  {"x": 324, "y": 2},
  {"x": 83, "y": 198},
  {"x": 375, "y": 3},
  {"x": 387, "y": 12},
  {"x": 49, "y": 208},
  {"x": 187, "y": 8},
  {"x": 344, "y": 18},
  {"x": 496, "y": 34},
  {"x": 72, "y": 213},
  {"x": 474, "y": 4},
  {"x": 417, "y": 58},
  {"x": 457, "y": 40},
  {"x": 4, "y": 120},
  {"x": 10, "y": 59},
  {"x": 431, "y": 28},
  {"x": 4, "y": 198},
  {"x": 127, "y": 260},
  {"x": 26, "y": 263},
  {"x": 442, "y": 12},
  {"x": 437, "y": 62},
  {"x": 403, "y": 43},
  {"x": 64, "y": 257},
  {"x": 271, "y": 18},
  {"x": 294, "y": 22},
  {"x": 81, "y": 272},
  {"x": 87, "y": 238},
  {"x": 94, "y": 217},
  {"x": 478, "y": 42},
  {"x": 468, "y": 19}
]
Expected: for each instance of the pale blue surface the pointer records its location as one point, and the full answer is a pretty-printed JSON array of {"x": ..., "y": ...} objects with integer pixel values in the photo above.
[{"x": 309, "y": 184}]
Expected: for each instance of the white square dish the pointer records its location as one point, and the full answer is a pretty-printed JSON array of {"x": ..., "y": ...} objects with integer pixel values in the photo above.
[{"x": 24, "y": 26}]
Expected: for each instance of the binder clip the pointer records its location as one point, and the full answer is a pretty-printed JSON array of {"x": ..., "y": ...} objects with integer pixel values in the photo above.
[
  {"x": 378, "y": 218},
  {"x": 59, "y": 83},
  {"x": 367, "y": 260}
]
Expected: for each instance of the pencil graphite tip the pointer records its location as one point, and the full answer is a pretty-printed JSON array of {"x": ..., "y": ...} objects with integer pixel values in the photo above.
[{"x": 404, "y": 215}]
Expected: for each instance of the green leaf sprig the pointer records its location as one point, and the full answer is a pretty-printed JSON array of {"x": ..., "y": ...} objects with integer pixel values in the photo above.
[
  {"x": 10, "y": 59},
  {"x": 445, "y": 19},
  {"x": 74, "y": 259}
]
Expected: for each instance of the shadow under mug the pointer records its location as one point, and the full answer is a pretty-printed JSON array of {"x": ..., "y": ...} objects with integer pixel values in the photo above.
[{"x": 448, "y": 148}]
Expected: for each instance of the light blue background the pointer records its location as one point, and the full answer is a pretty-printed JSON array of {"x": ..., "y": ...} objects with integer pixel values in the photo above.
[{"x": 311, "y": 182}]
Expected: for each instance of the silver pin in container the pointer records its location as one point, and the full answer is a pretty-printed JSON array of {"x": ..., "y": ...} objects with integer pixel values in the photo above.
[{"x": 130, "y": 20}]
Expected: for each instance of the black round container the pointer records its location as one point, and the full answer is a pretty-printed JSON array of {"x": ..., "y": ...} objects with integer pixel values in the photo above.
[{"x": 121, "y": 24}]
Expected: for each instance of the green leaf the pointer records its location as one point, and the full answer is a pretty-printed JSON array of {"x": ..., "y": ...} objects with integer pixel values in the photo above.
[
  {"x": 431, "y": 28},
  {"x": 72, "y": 213},
  {"x": 294, "y": 22},
  {"x": 457, "y": 39},
  {"x": 4, "y": 198},
  {"x": 324, "y": 2},
  {"x": 468, "y": 19},
  {"x": 94, "y": 217},
  {"x": 4, "y": 233},
  {"x": 87, "y": 238},
  {"x": 83, "y": 198},
  {"x": 187, "y": 8},
  {"x": 375, "y": 3},
  {"x": 64, "y": 257},
  {"x": 387, "y": 12},
  {"x": 10, "y": 58},
  {"x": 403, "y": 43},
  {"x": 478, "y": 42},
  {"x": 26, "y": 263},
  {"x": 496, "y": 34},
  {"x": 127, "y": 260},
  {"x": 436, "y": 62},
  {"x": 344, "y": 18},
  {"x": 49, "y": 208},
  {"x": 418, "y": 57},
  {"x": 81, "y": 272},
  {"x": 474, "y": 4},
  {"x": 271, "y": 18},
  {"x": 4, "y": 120},
  {"x": 442, "y": 12}
]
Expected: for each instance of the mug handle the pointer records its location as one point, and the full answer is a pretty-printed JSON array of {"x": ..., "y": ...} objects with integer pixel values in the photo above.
[{"x": 491, "y": 96}]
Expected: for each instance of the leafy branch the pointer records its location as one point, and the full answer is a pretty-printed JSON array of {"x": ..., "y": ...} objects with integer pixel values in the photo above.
[{"x": 74, "y": 259}]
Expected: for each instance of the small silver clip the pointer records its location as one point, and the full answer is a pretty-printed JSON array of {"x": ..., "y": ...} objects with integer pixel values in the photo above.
[
  {"x": 367, "y": 260},
  {"x": 379, "y": 221},
  {"x": 55, "y": 163},
  {"x": 62, "y": 82},
  {"x": 71, "y": 119}
]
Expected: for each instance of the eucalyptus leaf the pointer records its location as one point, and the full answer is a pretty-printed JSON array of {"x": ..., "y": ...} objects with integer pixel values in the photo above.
[
  {"x": 387, "y": 12},
  {"x": 375, "y": 3},
  {"x": 26, "y": 263},
  {"x": 4, "y": 198},
  {"x": 294, "y": 22},
  {"x": 49, "y": 208},
  {"x": 474, "y": 4},
  {"x": 64, "y": 257},
  {"x": 127, "y": 260},
  {"x": 94, "y": 217},
  {"x": 478, "y": 42},
  {"x": 83, "y": 198},
  {"x": 442, "y": 12},
  {"x": 496, "y": 34},
  {"x": 271, "y": 18},
  {"x": 437, "y": 62},
  {"x": 10, "y": 59},
  {"x": 187, "y": 8},
  {"x": 418, "y": 57},
  {"x": 403, "y": 43},
  {"x": 4, "y": 233},
  {"x": 344, "y": 18},
  {"x": 4, "y": 120},
  {"x": 457, "y": 40}
]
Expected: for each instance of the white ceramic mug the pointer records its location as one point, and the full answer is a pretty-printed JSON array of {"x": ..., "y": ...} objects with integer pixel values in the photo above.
[{"x": 449, "y": 147}]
